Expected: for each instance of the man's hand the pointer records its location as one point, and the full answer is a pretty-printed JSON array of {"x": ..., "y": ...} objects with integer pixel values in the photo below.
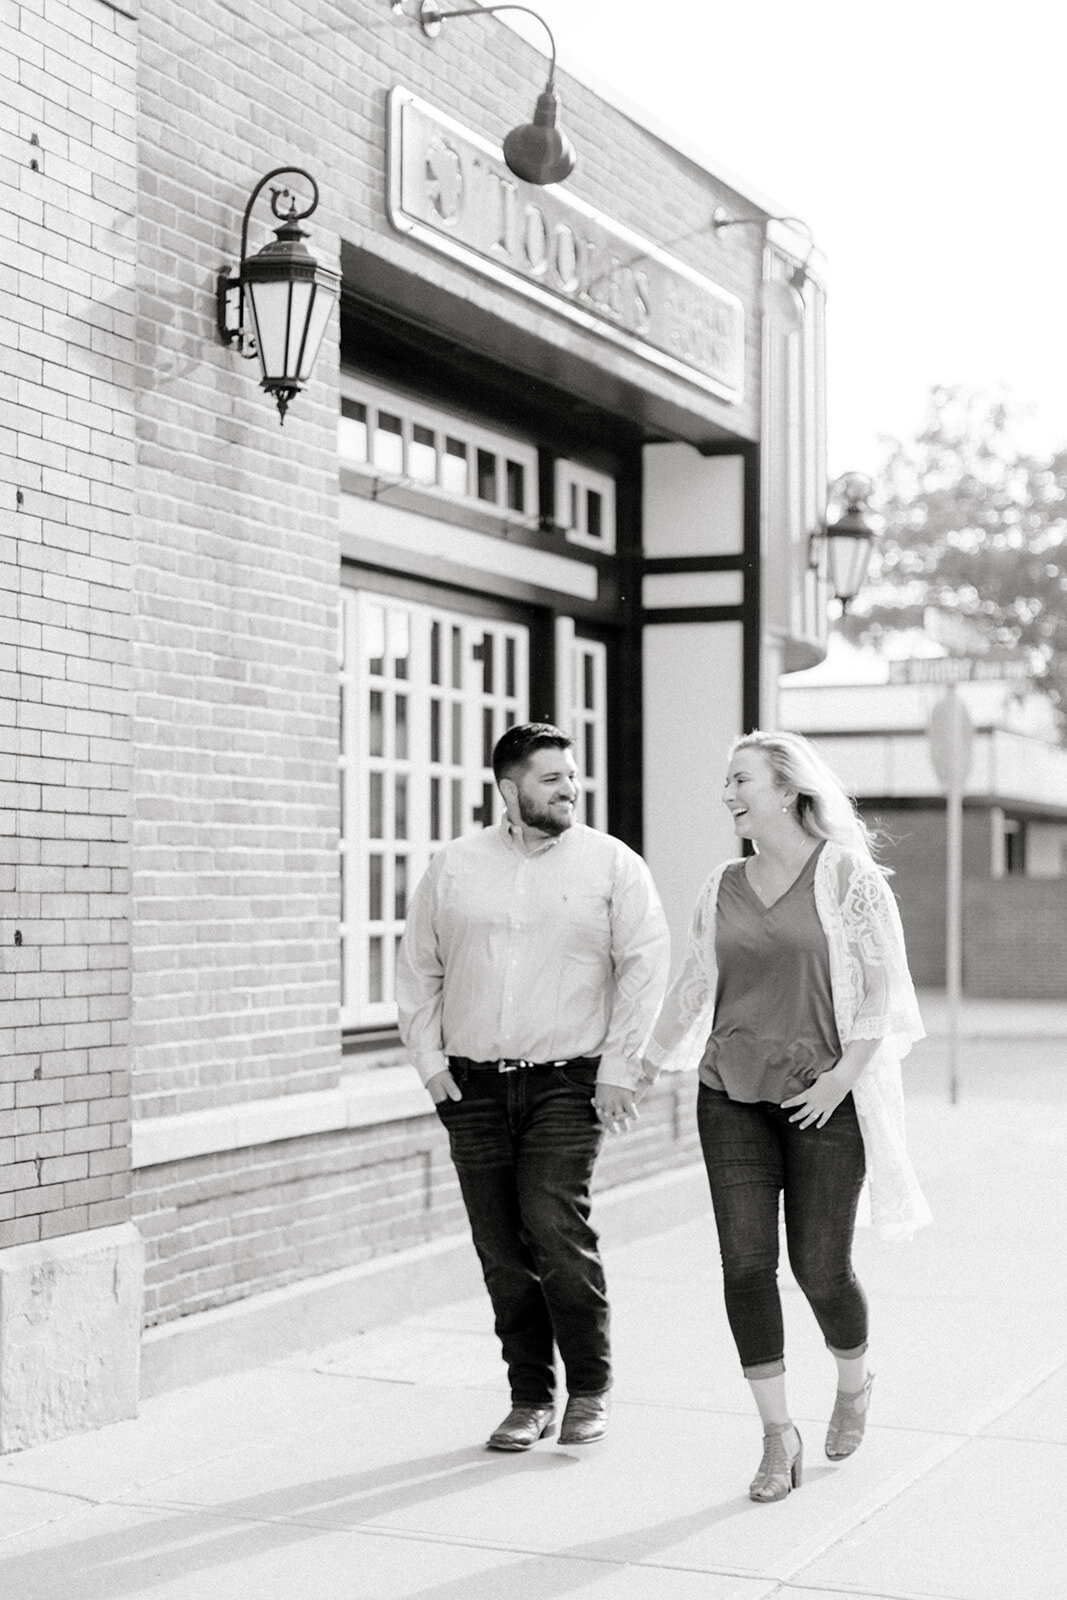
[
  {"x": 443, "y": 1086},
  {"x": 615, "y": 1107}
]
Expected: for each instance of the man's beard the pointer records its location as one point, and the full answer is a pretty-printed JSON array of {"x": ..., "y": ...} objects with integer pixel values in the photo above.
[{"x": 544, "y": 818}]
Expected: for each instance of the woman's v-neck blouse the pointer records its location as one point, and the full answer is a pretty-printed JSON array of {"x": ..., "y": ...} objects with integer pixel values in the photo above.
[{"x": 774, "y": 1031}]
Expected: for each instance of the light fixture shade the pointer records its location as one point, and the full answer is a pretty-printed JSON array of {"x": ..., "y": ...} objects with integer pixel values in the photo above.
[
  {"x": 783, "y": 303},
  {"x": 539, "y": 151},
  {"x": 289, "y": 297},
  {"x": 849, "y": 542}
]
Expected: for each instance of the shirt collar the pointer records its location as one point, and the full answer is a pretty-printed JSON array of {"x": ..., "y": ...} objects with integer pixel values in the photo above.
[{"x": 514, "y": 840}]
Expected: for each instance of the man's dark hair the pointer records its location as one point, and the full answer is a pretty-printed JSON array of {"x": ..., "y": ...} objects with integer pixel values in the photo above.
[{"x": 514, "y": 748}]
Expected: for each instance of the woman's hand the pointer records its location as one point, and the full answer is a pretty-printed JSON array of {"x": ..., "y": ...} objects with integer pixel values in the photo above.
[{"x": 815, "y": 1105}]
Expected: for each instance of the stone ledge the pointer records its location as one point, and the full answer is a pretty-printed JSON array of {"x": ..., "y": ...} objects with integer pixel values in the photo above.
[{"x": 362, "y": 1100}]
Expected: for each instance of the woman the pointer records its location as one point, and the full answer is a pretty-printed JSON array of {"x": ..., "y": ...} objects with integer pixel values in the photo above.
[{"x": 796, "y": 960}]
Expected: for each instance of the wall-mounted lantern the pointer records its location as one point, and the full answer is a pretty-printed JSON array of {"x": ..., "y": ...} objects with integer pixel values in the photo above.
[
  {"x": 848, "y": 537},
  {"x": 278, "y": 302}
]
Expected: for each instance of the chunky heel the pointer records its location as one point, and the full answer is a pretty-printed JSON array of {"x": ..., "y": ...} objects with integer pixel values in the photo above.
[
  {"x": 845, "y": 1432},
  {"x": 779, "y": 1470}
]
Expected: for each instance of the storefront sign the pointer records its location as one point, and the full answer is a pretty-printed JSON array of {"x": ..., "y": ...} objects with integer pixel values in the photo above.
[{"x": 451, "y": 189}]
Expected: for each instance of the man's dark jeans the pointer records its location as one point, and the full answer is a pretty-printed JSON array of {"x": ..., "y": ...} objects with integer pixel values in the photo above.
[
  {"x": 753, "y": 1154},
  {"x": 524, "y": 1144}
]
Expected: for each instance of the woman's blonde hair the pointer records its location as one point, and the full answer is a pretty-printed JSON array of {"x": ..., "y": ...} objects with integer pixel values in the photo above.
[{"x": 824, "y": 808}]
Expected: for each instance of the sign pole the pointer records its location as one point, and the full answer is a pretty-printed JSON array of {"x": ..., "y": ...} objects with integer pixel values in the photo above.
[
  {"x": 954, "y": 899},
  {"x": 951, "y": 737}
]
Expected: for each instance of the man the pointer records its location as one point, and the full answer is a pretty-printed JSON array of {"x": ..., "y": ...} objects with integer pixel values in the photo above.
[{"x": 532, "y": 966}]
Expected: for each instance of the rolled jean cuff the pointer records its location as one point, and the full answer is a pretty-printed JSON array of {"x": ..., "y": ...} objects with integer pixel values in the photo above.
[
  {"x": 764, "y": 1369},
  {"x": 848, "y": 1355}
]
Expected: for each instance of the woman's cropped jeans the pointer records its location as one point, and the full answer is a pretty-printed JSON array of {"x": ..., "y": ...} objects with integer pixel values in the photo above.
[{"x": 753, "y": 1154}]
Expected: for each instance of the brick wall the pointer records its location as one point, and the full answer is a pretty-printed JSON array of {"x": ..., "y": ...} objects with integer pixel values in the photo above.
[
  {"x": 221, "y": 1227},
  {"x": 67, "y": 105},
  {"x": 1014, "y": 929},
  {"x": 1015, "y": 936},
  {"x": 916, "y": 852}
]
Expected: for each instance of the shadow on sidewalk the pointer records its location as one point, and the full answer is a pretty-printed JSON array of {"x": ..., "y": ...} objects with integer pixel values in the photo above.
[{"x": 178, "y": 1540}]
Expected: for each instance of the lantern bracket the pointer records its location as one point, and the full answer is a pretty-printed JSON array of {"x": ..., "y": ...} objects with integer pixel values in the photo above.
[{"x": 230, "y": 300}]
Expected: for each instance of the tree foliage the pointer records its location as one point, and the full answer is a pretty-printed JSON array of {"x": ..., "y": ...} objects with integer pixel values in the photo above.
[{"x": 975, "y": 527}]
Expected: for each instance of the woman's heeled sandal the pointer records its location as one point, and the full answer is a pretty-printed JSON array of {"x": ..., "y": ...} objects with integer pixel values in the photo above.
[
  {"x": 779, "y": 1470},
  {"x": 845, "y": 1433}
]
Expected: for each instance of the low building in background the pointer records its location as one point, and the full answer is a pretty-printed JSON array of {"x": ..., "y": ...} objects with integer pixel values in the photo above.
[{"x": 1014, "y": 812}]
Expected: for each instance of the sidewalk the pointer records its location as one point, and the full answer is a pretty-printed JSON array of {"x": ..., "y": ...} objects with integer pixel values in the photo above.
[{"x": 357, "y": 1472}]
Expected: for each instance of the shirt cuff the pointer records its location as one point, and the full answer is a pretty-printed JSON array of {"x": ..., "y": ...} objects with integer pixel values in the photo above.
[
  {"x": 428, "y": 1063},
  {"x": 622, "y": 1074}
]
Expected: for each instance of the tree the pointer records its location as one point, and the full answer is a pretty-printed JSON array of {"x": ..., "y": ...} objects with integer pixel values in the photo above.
[{"x": 976, "y": 527}]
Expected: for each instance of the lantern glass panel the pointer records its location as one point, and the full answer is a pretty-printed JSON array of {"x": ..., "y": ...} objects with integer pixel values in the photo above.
[
  {"x": 847, "y": 559},
  {"x": 319, "y": 316},
  {"x": 270, "y": 304}
]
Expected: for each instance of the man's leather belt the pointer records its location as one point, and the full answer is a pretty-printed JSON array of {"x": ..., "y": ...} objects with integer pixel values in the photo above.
[{"x": 517, "y": 1064}]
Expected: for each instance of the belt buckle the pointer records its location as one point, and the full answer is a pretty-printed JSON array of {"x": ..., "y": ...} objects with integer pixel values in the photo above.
[{"x": 512, "y": 1064}]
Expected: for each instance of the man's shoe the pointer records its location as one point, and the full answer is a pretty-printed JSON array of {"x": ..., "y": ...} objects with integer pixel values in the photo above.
[
  {"x": 585, "y": 1419},
  {"x": 522, "y": 1427}
]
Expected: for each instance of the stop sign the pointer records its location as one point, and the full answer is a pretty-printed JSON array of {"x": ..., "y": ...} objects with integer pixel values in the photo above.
[{"x": 951, "y": 734}]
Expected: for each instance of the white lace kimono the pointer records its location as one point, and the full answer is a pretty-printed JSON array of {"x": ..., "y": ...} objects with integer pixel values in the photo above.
[{"x": 873, "y": 999}]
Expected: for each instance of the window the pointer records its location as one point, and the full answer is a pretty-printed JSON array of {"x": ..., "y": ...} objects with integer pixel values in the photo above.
[
  {"x": 582, "y": 669},
  {"x": 585, "y": 505},
  {"x": 425, "y": 694},
  {"x": 402, "y": 439}
]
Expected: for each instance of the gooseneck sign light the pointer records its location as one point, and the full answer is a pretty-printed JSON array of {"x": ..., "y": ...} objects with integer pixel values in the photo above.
[
  {"x": 538, "y": 151},
  {"x": 277, "y": 304}
]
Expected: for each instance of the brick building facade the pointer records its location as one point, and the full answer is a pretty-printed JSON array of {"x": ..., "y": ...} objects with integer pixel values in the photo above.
[{"x": 508, "y": 490}]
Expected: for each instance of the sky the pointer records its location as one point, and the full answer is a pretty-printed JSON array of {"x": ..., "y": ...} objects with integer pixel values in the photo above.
[{"x": 924, "y": 144}]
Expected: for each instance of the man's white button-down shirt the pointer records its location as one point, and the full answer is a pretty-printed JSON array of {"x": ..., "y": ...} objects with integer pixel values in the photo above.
[{"x": 544, "y": 955}]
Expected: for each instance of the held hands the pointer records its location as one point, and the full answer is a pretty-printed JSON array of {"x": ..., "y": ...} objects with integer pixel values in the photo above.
[
  {"x": 443, "y": 1086},
  {"x": 616, "y": 1108},
  {"x": 815, "y": 1106}
]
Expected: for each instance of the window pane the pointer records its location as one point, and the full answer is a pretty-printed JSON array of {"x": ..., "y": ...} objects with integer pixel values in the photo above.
[
  {"x": 435, "y": 653},
  {"x": 374, "y": 888},
  {"x": 374, "y": 639},
  {"x": 374, "y": 971},
  {"x": 594, "y": 525},
  {"x": 422, "y": 455},
  {"x": 516, "y": 474},
  {"x": 389, "y": 443},
  {"x": 509, "y": 667},
  {"x": 435, "y": 808},
  {"x": 454, "y": 467},
  {"x": 588, "y": 682},
  {"x": 352, "y": 431},
  {"x": 457, "y": 806},
  {"x": 484, "y": 651},
  {"x": 400, "y": 826},
  {"x": 400, "y": 886},
  {"x": 399, "y": 642},
  {"x": 457, "y": 658},
  {"x": 589, "y": 752},
  {"x": 374, "y": 822},
  {"x": 375, "y": 744},
  {"x": 435, "y": 731},
  {"x": 457, "y": 734},
  {"x": 487, "y": 737},
  {"x": 401, "y": 751},
  {"x": 573, "y": 523},
  {"x": 487, "y": 476}
]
